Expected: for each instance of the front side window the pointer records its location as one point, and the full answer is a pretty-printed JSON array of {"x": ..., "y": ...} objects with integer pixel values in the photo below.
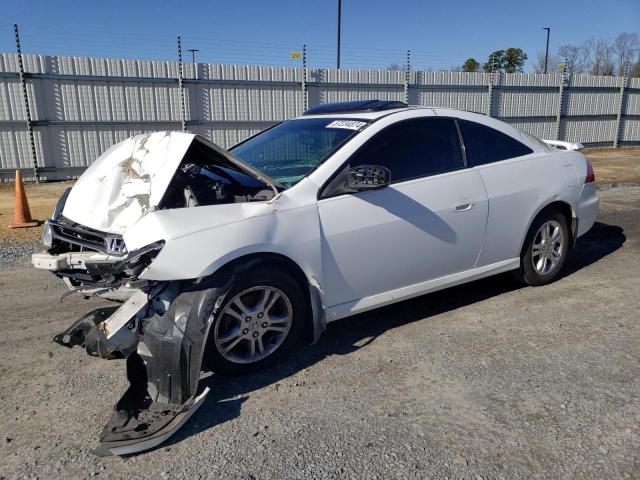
[
  {"x": 486, "y": 145},
  {"x": 414, "y": 148},
  {"x": 290, "y": 150}
]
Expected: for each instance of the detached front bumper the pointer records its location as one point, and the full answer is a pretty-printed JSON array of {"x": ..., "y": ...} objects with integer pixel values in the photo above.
[
  {"x": 138, "y": 422},
  {"x": 161, "y": 330}
]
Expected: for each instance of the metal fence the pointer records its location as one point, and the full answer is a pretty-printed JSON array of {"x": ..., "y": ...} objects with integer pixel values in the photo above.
[{"x": 79, "y": 106}]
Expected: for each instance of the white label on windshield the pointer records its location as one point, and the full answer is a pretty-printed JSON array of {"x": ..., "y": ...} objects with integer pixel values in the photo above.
[{"x": 349, "y": 124}]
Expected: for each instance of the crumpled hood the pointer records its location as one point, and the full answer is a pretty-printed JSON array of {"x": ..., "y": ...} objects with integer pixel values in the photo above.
[{"x": 127, "y": 181}]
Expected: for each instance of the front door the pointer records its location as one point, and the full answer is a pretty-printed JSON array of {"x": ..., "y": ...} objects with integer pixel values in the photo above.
[{"x": 429, "y": 223}]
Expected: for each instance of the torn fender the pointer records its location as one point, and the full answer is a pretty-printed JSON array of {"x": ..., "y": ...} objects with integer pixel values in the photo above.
[
  {"x": 164, "y": 363},
  {"x": 164, "y": 371}
]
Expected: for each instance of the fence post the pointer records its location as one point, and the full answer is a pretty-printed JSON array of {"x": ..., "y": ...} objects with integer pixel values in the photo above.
[
  {"x": 183, "y": 113},
  {"x": 305, "y": 100},
  {"x": 623, "y": 86},
  {"x": 25, "y": 97},
  {"x": 489, "y": 95},
  {"x": 491, "y": 91},
  {"x": 407, "y": 77},
  {"x": 564, "y": 82}
]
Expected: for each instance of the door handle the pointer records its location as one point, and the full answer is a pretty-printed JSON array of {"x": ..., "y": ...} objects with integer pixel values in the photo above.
[{"x": 463, "y": 206}]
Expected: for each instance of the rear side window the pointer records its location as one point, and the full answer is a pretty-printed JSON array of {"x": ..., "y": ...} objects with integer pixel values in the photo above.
[
  {"x": 486, "y": 145},
  {"x": 413, "y": 148}
]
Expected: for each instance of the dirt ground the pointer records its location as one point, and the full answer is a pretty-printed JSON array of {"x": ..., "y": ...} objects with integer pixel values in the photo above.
[
  {"x": 611, "y": 166},
  {"x": 621, "y": 165},
  {"x": 42, "y": 199},
  {"x": 487, "y": 380}
]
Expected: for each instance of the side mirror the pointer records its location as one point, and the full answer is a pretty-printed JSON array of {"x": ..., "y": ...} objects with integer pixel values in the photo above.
[{"x": 368, "y": 177}]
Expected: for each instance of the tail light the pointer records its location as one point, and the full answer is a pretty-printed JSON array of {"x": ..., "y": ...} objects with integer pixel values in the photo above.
[{"x": 591, "y": 176}]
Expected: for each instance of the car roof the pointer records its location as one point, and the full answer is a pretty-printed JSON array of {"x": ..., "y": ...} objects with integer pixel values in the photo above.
[
  {"x": 362, "y": 115},
  {"x": 370, "y": 109},
  {"x": 532, "y": 142},
  {"x": 355, "y": 106}
]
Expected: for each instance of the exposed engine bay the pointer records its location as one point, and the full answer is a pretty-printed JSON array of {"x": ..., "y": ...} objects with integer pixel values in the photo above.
[{"x": 205, "y": 178}]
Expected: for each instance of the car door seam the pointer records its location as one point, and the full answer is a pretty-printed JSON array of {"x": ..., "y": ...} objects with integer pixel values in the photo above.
[{"x": 486, "y": 223}]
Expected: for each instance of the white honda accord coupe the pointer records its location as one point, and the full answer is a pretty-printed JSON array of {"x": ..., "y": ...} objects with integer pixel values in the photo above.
[{"x": 231, "y": 257}]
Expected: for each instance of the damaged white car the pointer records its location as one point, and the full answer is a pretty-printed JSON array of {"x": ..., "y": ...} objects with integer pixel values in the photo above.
[{"x": 225, "y": 259}]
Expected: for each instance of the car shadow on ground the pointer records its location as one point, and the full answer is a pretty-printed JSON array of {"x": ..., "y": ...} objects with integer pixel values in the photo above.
[{"x": 227, "y": 395}]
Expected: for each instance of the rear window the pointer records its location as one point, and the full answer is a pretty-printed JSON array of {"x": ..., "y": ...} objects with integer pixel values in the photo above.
[{"x": 486, "y": 145}]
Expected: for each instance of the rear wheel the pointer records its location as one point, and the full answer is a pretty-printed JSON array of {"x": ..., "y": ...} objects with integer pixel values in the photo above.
[
  {"x": 259, "y": 321},
  {"x": 545, "y": 249}
]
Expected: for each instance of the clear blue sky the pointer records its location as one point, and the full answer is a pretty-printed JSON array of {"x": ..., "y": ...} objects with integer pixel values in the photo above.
[{"x": 375, "y": 33}]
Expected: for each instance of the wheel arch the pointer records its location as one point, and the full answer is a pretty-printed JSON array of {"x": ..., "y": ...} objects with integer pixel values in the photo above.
[
  {"x": 566, "y": 209},
  {"x": 314, "y": 322}
]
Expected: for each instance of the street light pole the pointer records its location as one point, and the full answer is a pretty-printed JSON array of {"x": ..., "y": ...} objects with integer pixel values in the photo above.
[
  {"x": 339, "y": 26},
  {"x": 193, "y": 54},
  {"x": 193, "y": 60},
  {"x": 546, "y": 53}
]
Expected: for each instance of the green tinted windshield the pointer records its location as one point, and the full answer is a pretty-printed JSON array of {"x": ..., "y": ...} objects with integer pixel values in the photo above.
[{"x": 288, "y": 151}]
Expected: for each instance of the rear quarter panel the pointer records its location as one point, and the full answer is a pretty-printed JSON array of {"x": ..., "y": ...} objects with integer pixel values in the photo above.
[{"x": 518, "y": 189}]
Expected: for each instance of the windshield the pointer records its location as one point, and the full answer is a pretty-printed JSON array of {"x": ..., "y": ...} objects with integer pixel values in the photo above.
[{"x": 290, "y": 150}]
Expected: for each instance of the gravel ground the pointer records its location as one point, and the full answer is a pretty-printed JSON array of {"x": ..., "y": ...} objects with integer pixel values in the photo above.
[
  {"x": 486, "y": 380},
  {"x": 13, "y": 254}
]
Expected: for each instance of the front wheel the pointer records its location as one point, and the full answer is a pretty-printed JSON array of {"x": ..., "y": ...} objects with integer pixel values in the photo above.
[
  {"x": 545, "y": 249},
  {"x": 261, "y": 318}
]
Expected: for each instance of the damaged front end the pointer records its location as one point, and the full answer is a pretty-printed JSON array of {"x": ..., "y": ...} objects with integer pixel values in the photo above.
[
  {"x": 161, "y": 330},
  {"x": 159, "y": 327}
]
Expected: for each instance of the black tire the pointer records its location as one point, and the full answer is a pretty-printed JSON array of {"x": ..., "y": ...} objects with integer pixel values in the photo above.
[
  {"x": 215, "y": 361},
  {"x": 527, "y": 273}
]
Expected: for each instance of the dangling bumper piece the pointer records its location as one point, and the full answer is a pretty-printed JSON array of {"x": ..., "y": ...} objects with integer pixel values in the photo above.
[{"x": 162, "y": 332}]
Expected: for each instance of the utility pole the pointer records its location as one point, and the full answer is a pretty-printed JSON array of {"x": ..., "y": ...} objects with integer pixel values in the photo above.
[
  {"x": 546, "y": 52},
  {"x": 339, "y": 27}
]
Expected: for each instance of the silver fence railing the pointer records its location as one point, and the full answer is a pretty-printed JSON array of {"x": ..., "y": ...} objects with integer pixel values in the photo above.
[{"x": 79, "y": 106}]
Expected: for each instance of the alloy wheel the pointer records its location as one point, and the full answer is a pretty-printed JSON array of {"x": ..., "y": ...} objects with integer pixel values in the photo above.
[
  {"x": 253, "y": 324},
  {"x": 547, "y": 247}
]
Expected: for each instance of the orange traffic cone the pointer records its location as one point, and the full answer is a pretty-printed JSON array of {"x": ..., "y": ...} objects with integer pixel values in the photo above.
[{"x": 22, "y": 215}]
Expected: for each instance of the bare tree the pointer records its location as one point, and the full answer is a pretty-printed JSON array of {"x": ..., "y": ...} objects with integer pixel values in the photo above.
[
  {"x": 394, "y": 67},
  {"x": 626, "y": 47},
  {"x": 553, "y": 64},
  {"x": 599, "y": 56},
  {"x": 573, "y": 58}
]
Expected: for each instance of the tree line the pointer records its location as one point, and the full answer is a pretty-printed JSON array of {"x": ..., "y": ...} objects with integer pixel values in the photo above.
[{"x": 594, "y": 56}]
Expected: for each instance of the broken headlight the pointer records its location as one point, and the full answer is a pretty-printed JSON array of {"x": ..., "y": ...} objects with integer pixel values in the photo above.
[
  {"x": 130, "y": 266},
  {"x": 138, "y": 260}
]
